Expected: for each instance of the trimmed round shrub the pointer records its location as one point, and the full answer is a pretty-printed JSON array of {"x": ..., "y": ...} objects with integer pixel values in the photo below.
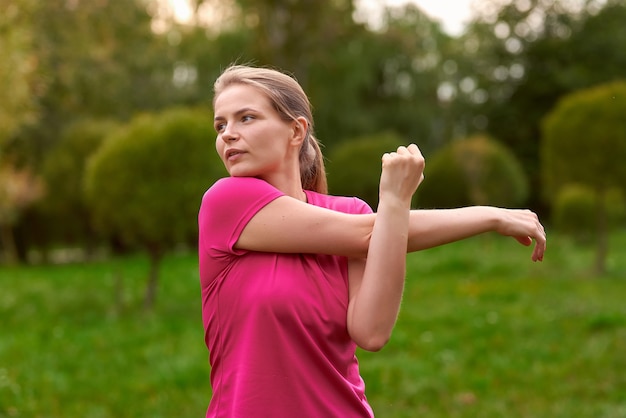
[
  {"x": 473, "y": 171},
  {"x": 584, "y": 140},
  {"x": 66, "y": 214},
  {"x": 575, "y": 210},
  {"x": 146, "y": 182},
  {"x": 616, "y": 207},
  {"x": 354, "y": 166}
]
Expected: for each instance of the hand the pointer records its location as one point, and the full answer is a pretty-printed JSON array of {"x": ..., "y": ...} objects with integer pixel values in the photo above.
[
  {"x": 402, "y": 173},
  {"x": 524, "y": 226}
]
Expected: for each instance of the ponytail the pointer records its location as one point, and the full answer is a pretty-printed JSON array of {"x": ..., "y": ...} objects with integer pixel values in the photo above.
[{"x": 312, "y": 170}]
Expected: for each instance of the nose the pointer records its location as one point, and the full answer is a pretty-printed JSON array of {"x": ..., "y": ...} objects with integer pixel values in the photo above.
[{"x": 228, "y": 135}]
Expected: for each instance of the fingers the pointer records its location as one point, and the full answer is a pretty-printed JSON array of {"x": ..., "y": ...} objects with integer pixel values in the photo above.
[
  {"x": 411, "y": 151},
  {"x": 403, "y": 171},
  {"x": 540, "y": 246},
  {"x": 525, "y": 227},
  {"x": 540, "y": 240},
  {"x": 539, "y": 235}
]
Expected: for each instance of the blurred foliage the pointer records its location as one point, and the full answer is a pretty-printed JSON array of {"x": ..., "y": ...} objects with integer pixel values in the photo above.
[
  {"x": 584, "y": 142},
  {"x": 584, "y": 139},
  {"x": 63, "y": 172},
  {"x": 145, "y": 183},
  {"x": 524, "y": 55},
  {"x": 473, "y": 171},
  {"x": 97, "y": 59},
  {"x": 64, "y": 61},
  {"x": 19, "y": 84},
  {"x": 19, "y": 188},
  {"x": 575, "y": 211},
  {"x": 360, "y": 81},
  {"x": 354, "y": 167}
]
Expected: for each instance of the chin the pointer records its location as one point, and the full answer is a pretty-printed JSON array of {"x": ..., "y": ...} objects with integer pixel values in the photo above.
[{"x": 241, "y": 173}]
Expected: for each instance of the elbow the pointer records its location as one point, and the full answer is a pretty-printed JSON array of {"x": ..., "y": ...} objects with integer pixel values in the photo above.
[
  {"x": 373, "y": 343},
  {"x": 361, "y": 246}
]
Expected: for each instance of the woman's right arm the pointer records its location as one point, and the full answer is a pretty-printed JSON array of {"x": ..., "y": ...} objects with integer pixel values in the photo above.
[
  {"x": 287, "y": 225},
  {"x": 435, "y": 227}
]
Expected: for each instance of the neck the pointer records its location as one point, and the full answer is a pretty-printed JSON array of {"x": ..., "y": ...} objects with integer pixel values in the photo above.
[
  {"x": 290, "y": 186},
  {"x": 294, "y": 190}
]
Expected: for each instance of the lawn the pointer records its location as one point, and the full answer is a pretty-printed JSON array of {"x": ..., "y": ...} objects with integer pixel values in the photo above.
[{"x": 483, "y": 332}]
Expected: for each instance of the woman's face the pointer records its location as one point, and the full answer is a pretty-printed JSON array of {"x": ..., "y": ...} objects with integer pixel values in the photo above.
[{"x": 252, "y": 139}]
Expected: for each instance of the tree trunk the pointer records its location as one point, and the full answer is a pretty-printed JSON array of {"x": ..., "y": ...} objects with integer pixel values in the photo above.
[
  {"x": 602, "y": 244},
  {"x": 8, "y": 244},
  {"x": 118, "y": 293},
  {"x": 153, "y": 278}
]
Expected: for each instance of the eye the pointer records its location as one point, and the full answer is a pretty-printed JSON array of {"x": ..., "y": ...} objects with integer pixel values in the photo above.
[
  {"x": 247, "y": 118},
  {"x": 219, "y": 127}
]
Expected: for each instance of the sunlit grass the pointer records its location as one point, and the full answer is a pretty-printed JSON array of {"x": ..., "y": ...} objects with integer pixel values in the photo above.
[{"x": 483, "y": 332}]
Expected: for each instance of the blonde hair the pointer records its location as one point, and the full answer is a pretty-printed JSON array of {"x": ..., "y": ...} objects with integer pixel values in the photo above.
[{"x": 291, "y": 102}]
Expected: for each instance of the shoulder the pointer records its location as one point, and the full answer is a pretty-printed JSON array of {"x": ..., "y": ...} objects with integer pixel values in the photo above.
[
  {"x": 344, "y": 204},
  {"x": 239, "y": 188},
  {"x": 229, "y": 184},
  {"x": 230, "y": 195}
]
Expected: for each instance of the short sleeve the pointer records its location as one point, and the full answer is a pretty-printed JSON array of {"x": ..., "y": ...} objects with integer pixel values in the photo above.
[
  {"x": 360, "y": 207},
  {"x": 226, "y": 209}
]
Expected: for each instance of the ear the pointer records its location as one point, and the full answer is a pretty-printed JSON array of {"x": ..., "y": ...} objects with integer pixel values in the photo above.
[{"x": 300, "y": 128}]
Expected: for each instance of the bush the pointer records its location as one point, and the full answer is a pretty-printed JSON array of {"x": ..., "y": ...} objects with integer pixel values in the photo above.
[
  {"x": 473, "y": 171},
  {"x": 584, "y": 142},
  {"x": 145, "y": 183},
  {"x": 354, "y": 166},
  {"x": 64, "y": 209},
  {"x": 575, "y": 211}
]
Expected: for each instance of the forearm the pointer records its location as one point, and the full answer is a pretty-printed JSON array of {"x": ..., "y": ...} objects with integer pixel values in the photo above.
[
  {"x": 374, "y": 309},
  {"x": 431, "y": 228}
]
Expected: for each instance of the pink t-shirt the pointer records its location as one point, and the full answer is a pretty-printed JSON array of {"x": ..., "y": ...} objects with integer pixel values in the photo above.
[{"x": 275, "y": 324}]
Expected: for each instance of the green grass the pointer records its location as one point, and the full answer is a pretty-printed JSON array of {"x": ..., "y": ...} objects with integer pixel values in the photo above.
[{"x": 483, "y": 332}]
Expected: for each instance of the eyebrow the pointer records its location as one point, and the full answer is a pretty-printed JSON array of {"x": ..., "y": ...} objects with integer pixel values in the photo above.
[{"x": 237, "y": 113}]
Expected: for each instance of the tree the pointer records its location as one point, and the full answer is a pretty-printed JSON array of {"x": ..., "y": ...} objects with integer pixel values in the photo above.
[
  {"x": 63, "y": 171},
  {"x": 574, "y": 208},
  {"x": 473, "y": 171},
  {"x": 19, "y": 188},
  {"x": 584, "y": 142},
  {"x": 354, "y": 166},
  {"x": 18, "y": 68},
  {"x": 146, "y": 182},
  {"x": 360, "y": 80},
  {"x": 522, "y": 56},
  {"x": 98, "y": 59}
]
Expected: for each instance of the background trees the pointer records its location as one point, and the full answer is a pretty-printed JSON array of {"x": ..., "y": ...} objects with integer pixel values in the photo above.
[
  {"x": 145, "y": 184},
  {"x": 354, "y": 167},
  {"x": 585, "y": 144},
  {"x": 473, "y": 171},
  {"x": 67, "y": 61},
  {"x": 18, "y": 68},
  {"x": 63, "y": 173},
  {"x": 524, "y": 55}
]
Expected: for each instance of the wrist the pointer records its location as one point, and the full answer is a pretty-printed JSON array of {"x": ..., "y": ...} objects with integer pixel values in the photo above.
[
  {"x": 494, "y": 217},
  {"x": 394, "y": 203}
]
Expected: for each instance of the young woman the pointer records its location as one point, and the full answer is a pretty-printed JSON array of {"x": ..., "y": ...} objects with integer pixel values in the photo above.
[{"x": 293, "y": 279}]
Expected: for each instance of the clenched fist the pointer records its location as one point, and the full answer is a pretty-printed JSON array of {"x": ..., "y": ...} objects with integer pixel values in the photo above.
[{"x": 403, "y": 171}]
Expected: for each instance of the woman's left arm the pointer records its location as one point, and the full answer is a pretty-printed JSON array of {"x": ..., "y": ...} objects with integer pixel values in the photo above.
[{"x": 377, "y": 282}]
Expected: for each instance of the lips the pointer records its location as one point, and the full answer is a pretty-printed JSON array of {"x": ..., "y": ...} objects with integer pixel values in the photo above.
[{"x": 232, "y": 153}]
